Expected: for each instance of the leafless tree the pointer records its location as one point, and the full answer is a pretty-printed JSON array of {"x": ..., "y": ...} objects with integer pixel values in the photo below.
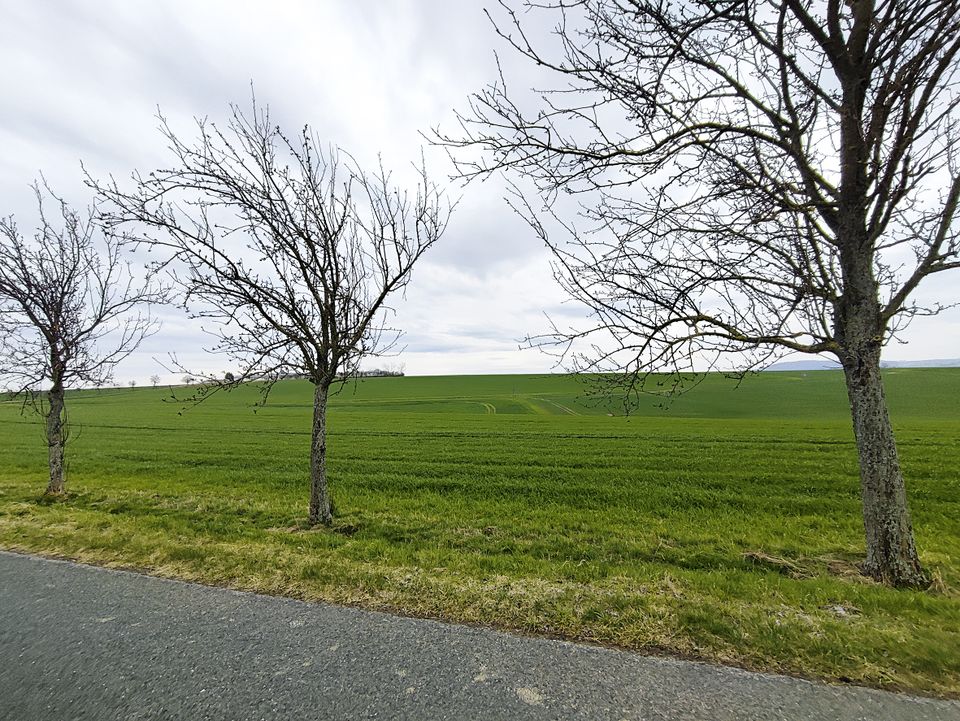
[
  {"x": 757, "y": 177},
  {"x": 155, "y": 380},
  {"x": 289, "y": 250},
  {"x": 70, "y": 310}
]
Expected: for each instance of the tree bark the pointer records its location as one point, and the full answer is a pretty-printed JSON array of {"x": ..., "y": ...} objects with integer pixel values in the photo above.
[
  {"x": 321, "y": 506},
  {"x": 56, "y": 439},
  {"x": 891, "y": 552}
]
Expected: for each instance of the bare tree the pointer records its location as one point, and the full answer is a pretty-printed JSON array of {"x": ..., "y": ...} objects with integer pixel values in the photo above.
[
  {"x": 757, "y": 177},
  {"x": 154, "y": 380},
  {"x": 290, "y": 251},
  {"x": 70, "y": 310}
]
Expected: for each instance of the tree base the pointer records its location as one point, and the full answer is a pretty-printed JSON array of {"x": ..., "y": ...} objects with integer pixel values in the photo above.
[
  {"x": 896, "y": 574},
  {"x": 321, "y": 517}
]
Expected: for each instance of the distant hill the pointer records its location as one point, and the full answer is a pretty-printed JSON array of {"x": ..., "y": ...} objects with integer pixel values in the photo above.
[
  {"x": 814, "y": 364},
  {"x": 818, "y": 364},
  {"x": 937, "y": 363}
]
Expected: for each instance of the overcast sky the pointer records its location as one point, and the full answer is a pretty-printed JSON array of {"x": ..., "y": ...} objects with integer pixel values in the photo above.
[{"x": 82, "y": 80}]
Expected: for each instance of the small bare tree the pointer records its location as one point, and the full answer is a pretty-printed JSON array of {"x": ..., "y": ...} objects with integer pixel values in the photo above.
[
  {"x": 154, "y": 380},
  {"x": 70, "y": 310},
  {"x": 759, "y": 176},
  {"x": 289, "y": 250}
]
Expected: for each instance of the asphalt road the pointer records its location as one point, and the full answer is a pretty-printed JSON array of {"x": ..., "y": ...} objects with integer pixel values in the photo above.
[{"x": 78, "y": 642}]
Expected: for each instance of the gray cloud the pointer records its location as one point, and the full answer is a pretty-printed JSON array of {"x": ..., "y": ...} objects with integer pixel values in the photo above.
[{"x": 82, "y": 80}]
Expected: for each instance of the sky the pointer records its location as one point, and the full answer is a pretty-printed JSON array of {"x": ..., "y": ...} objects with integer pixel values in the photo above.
[{"x": 82, "y": 81}]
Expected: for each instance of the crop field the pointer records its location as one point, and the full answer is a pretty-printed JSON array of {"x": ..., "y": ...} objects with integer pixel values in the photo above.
[{"x": 723, "y": 527}]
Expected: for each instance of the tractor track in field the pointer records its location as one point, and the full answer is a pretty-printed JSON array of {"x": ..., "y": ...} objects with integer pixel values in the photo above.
[{"x": 562, "y": 407}]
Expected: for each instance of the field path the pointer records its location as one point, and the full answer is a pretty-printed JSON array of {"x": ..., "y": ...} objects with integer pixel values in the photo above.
[
  {"x": 87, "y": 643},
  {"x": 562, "y": 407}
]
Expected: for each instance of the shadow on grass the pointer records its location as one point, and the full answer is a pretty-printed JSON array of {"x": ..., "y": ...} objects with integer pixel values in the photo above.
[
  {"x": 228, "y": 519},
  {"x": 339, "y": 526},
  {"x": 56, "y": 499}
]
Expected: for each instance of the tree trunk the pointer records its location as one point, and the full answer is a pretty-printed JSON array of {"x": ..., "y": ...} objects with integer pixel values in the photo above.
[
  {"x": 56, "y": 439},
  {"x": 321, "y": 507},
  {"x": 891, "y": 553}
]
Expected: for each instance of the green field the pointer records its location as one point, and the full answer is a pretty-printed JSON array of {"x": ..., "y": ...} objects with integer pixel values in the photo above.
[{"x": 725, "y": 527}]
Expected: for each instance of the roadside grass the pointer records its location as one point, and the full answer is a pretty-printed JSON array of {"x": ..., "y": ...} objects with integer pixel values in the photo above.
[{"x": 726, "y": 529}]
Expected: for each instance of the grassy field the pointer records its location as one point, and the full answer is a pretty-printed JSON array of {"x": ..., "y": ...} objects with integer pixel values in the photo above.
[{"x": 726, "y": 527}]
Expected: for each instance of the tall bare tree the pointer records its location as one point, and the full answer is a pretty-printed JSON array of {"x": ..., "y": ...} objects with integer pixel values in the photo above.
[
  {"x": 291, "y": 251},
  {"x": 70, "y": 310},
  {"x": 759, "y": 176}
]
